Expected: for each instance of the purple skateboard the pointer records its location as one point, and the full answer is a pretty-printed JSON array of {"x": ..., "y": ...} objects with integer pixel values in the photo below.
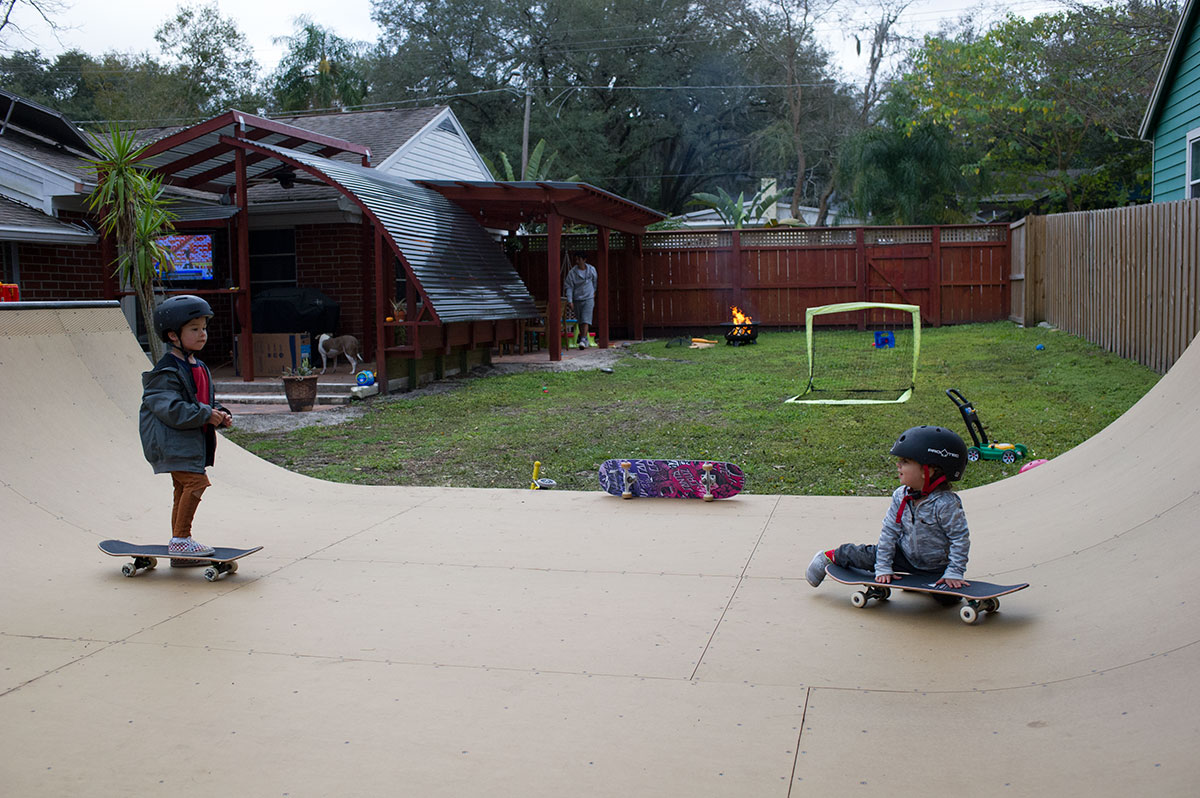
[{"x": 673, "y": 479}]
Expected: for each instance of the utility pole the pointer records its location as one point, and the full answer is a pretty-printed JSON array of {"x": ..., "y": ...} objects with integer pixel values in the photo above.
[{"x": 525, "y": 132}]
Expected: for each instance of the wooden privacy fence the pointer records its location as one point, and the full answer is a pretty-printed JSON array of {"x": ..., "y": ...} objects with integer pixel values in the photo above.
[
  {"x": 687, "y": 278},
  {"x": 1126, "y": 279}
]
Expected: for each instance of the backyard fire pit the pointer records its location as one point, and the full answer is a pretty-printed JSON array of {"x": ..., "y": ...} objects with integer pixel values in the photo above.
[{"x": 743, "y": 330}]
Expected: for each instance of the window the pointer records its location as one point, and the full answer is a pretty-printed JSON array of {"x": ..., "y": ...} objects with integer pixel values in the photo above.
[
  {"x": 1192, "y": 187},
  {"x": 272, "y": 259}
]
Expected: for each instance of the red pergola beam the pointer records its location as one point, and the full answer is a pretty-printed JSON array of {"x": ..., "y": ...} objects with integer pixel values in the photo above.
[{"x": 269, "y": 126}]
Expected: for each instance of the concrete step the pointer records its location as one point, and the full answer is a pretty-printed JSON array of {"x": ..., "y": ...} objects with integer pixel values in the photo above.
[
  {"x": 270, "y": 392},
  {"x": 278, "y": 399}
]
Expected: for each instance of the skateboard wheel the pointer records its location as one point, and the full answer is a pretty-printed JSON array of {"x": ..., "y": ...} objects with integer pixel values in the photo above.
[
  {"x": 233, "y": 567},
  {"x": 153, "y": 562},
  {"x": 211, "y": 574},
  {"x": 991, "y": 605},
  {"x": 885, "y": 593},
  {"x": 968, "y": 614},
  {"x": 859, "y": 599},
  {"x": 128, "y": 569}
]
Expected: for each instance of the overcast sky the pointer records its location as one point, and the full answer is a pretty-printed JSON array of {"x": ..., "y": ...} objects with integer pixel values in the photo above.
[{"x": 97, "y": 26}]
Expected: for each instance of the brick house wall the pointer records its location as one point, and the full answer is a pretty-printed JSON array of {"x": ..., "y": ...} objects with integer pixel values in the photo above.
[
  {"x": 60, "y": 272},
  {"x": 331, "y": 258}
]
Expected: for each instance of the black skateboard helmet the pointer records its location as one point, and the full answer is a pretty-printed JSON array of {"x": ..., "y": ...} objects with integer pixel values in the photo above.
[
  {"x": 176, "y": 311},
  {"x": 933, "y": 446}
]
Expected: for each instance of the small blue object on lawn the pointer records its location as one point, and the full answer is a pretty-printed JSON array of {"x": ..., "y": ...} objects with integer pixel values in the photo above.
[
  {"x": 1040, "y": 347},
  {"x": 885, "y": 339}
]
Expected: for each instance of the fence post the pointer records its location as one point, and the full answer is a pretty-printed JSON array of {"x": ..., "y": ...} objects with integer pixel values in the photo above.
[
  {"x": 637, "y": 309},
  {"x": 861, "y": 270},
  {"x": 554, "y": 281},
  {"x": 602, "y": 290},
  {"x": 735, "y": 258},
  {"x": 1035, "y": 270},
  {"x": 935, "y": 277}
]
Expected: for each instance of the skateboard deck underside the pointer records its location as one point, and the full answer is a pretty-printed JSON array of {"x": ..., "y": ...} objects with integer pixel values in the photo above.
[{"x": 676, "y": 479}]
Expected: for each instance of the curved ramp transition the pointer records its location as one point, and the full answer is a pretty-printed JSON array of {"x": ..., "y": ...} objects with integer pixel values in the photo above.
[{"x": 427, "y": 642}]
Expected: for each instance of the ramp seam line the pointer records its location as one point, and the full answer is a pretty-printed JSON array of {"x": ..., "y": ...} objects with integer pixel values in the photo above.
[
  {"x": 799, "y": 739},
  {"x": 737, "y": 587}
]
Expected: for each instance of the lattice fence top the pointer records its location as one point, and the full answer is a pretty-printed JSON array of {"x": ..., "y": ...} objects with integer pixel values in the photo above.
[
  {"x": 800, "y": 237},
  {"x": 689, "y": 239},
  {"x": 974, "y": 234},
  {"x": 894, "y": 236},
  {"x": 784, "y": 236}
]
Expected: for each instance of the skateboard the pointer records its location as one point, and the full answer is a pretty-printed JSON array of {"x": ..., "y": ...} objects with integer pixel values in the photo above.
[
  {"x": 674, "y": 479},
  {"x": 980, "y": 596},
  {"x": 145, "y": 558}
]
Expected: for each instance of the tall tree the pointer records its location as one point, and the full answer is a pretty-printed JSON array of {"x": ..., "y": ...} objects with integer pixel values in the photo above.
[
  {"x": 13, "y": 14},
  {"x": 901, "y": 172},
  {"x": 212, "y": 58},
  {"x": 1052, "y": 103},
  {"x": 623, "y": 90},
  {"x": 319, "y": 70},
  {"x": 58, "y": 84}
]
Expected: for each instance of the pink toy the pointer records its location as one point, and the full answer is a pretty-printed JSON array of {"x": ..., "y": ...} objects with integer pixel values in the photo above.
[{"x": 1033, "y": 464}]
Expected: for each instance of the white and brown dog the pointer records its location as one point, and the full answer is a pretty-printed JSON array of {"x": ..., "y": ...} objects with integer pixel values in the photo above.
[{"x": 331, "y": 347}]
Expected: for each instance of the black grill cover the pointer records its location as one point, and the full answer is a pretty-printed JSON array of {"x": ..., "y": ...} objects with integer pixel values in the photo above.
[{"x": 294, "y": 310}]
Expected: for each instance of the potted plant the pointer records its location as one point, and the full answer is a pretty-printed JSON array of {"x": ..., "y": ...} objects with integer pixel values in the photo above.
[{"x": 300, "y": 386}]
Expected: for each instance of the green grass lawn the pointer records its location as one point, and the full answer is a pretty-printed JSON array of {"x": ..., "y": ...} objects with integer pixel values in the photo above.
[{"x": 724, "y": 403}]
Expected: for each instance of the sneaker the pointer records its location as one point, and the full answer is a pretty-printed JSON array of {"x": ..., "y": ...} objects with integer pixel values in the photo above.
[
  {"x": 816, "y": 569},
  {"x": 582, "y": 345},
  {"x": 189, "y": 546}
]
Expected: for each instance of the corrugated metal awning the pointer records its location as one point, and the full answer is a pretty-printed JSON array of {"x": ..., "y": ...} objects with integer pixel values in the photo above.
[{"x": 453, "y": 259}]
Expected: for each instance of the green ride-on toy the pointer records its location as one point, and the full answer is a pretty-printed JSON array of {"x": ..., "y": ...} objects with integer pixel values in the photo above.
[{"x": 983, "y": 448}]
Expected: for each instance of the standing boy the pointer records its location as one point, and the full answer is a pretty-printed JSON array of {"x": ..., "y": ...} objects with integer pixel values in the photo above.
[{"x": 180, "y": 416}]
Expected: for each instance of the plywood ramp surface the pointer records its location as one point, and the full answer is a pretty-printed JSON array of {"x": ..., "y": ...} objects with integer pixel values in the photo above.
[{"x": 421, "y": 641}]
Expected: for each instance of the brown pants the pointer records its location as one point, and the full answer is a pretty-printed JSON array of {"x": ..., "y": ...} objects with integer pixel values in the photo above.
[{"x": 189, "y": 487}]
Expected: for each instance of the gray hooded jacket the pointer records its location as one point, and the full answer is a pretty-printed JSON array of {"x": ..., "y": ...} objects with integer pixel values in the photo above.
[
  {"x": 173, "y": 421},
  {"x": 932, "y": 533}
]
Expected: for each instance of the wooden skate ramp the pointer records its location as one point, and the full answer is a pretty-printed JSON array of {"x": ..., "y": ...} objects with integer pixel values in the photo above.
[{"x": 445, "y": 642}]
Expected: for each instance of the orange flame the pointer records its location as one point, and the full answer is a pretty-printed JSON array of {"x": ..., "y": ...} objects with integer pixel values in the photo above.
[{"x": 740, "y": 318}]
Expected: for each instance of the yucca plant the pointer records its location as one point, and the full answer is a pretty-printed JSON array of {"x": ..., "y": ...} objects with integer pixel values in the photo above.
[{"x": 132, "y": 208}]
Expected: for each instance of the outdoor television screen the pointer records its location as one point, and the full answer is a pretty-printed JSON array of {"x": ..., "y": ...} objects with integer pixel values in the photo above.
[{"x": 191, "y": 256}]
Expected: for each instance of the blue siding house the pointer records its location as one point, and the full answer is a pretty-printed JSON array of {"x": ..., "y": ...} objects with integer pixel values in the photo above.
[{"x": 1172, "y": 120}]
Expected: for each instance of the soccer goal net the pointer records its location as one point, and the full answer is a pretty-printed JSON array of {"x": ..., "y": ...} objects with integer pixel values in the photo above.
[{"x": 866, "y": 354}]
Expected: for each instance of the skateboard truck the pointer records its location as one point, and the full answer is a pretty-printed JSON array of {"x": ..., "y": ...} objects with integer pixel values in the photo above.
[
  {"x": 709, "y": 481},
  {"x": 629, "y": 480}
]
